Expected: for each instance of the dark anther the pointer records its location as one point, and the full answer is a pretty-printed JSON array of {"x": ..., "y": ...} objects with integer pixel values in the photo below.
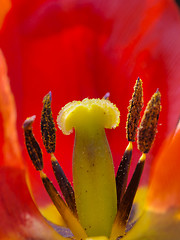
[
  {"x": 148, "y": 125},
  {"x": 134, "y": 110},
  {"x": 32, "y": 145},
  {"x": 49, "y": 137},
  {"x": 47, "y": 125}
]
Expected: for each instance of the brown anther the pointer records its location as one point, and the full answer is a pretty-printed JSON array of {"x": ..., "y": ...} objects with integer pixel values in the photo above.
[
  {"x": 48, "y": 129},
  {"x": 32, "y": 145},
  {"x": 134, "y": 110},
  {"x": 148, "y": 125}
]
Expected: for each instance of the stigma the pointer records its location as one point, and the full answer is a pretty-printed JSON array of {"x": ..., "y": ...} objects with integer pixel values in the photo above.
[{"x": 81, "y": 114}]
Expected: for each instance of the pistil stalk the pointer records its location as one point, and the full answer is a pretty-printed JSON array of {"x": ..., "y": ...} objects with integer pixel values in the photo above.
[{"x": 94, "y": 180}]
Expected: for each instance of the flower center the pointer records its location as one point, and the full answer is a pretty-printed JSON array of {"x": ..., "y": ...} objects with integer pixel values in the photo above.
[{"x": 100, "y": 203}]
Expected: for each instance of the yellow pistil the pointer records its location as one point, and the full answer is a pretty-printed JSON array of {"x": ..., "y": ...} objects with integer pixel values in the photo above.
[{"x": 93, "y": 170}]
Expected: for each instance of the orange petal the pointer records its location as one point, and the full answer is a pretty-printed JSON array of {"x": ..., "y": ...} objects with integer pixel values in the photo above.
[
  {"x": 5, "y": 6},
  {"x": 164, "y": 190},
  {"x": 11, "y": 149}
]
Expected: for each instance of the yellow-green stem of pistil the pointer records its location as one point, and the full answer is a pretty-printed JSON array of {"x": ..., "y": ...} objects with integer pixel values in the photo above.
[
  {"x": 93, "y": 170},
  {"x": 94, "y": 181}
]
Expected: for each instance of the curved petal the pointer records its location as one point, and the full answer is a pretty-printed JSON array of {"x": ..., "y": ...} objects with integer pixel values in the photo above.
[
  {"x": 164, "y": 189},
  {"x": 81, "y": 48},
  {"x": 11, "y": 154}
]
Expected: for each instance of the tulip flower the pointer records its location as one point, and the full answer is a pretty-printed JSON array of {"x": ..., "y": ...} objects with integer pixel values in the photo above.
[{"x": 78, "y": 50}]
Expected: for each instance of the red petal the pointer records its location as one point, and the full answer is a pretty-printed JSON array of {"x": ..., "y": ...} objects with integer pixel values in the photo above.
[
  {"x": 164, "y": 190},
  {"x": 20, "y": 219},
  {"x": 5, "y": 6},
  {"x": 86, "y": 48}
]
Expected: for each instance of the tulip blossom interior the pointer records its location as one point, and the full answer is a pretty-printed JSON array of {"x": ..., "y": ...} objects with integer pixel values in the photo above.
[
  {"x": 82, "y": 49},
  {"x": 99, "y": 203}
]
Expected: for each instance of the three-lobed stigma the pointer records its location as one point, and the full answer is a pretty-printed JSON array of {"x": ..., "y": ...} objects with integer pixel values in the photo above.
[
  {"x": 82, "y": 113},
  {"x": 100, "y": 202}
]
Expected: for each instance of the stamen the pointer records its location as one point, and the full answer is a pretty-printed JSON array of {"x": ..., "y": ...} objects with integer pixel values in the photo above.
[
  {"x": 146, "y": 135},
  {"x": 122, "y": 216},
  {"x": 32, "y": 145},
  {"x": 49, "y": 137},
  {"x": 47, "y": 125},
  {"x": 135, "y": 107},
  {"x": 71, "y": 221},
  {"x": 148, "y": 125},
  {"x": 133, "y": 117},
  {"x": 64, "y": 184},
  {"x": 122, "y": 173}
]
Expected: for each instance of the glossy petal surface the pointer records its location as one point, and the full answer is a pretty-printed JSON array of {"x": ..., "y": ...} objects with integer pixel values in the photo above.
[
  {"x": 78, "y": 49},
  {"x": 86, "y": 48}
]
